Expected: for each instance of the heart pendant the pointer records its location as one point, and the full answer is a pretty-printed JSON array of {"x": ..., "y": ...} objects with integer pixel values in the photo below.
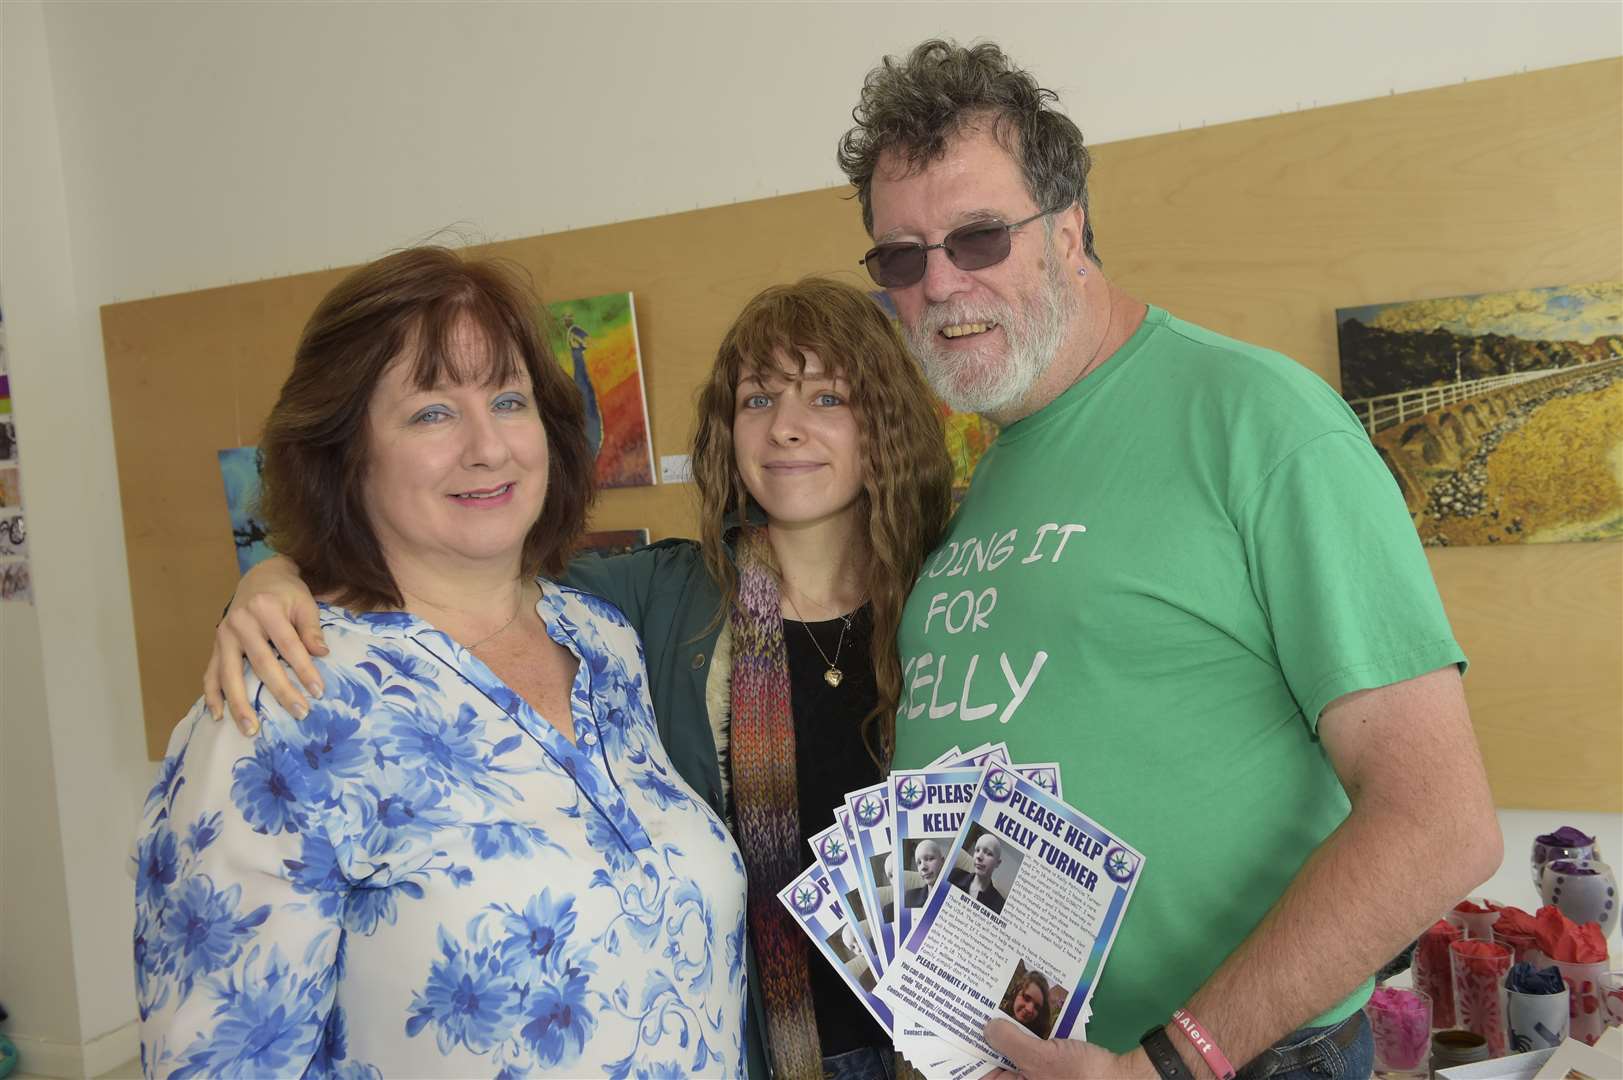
[{"x": 833, "y": 676}]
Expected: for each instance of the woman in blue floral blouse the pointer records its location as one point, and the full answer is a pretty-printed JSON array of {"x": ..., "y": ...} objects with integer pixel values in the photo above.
[
  {"x": 824, "y": 479},
  {"x": 471, "y": 855}
]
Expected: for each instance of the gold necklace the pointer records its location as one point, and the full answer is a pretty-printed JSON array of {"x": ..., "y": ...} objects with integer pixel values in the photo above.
[
  {"x": 516, "y": 610},
  {"x": 833, "y": 676}
]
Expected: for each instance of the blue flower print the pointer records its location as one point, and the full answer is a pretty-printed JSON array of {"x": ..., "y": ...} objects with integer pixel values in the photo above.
[
  {"x": 442, "y": 749},
  {"x": 383, "y": 620},
  {"x": 368, "y": 906},
  {"x": 735, "y": 954},
  {"x": 688, "y": 931},
  {"x": 334, "y": 1045},
  {"x": 498, "y": 839},
  {"x": 601, "y": 836},
  {"x": 394, "y": 663},
  {"x": 467, "y": 999},
  {"x": 663, "y": 793},
  {"x": 332, "y": 1054},
  {"x": 328, "y": 740},
  {"x": 414, "y": 881},
  {"x": 157, "y": 858},
  {"x": 316, "y": 870},
  {"x": 603, "y": 609},
  {"x": 152, "y": 988},
  {"x": 202, "y": 931},
  {"x": 203, "y": 832},
  {"x": 559, "y": 1021},
  {"x": 272, "y": 789},
  {"x": 168, "y": 782},
  {"x": 268, "y": 1026},
  {"x": 401, "y": 807},
  {"x": 534, "y": 939}
]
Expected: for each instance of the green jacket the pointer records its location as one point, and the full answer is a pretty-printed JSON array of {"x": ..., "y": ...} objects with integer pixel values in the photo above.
[{"x": 669, "y": 598}]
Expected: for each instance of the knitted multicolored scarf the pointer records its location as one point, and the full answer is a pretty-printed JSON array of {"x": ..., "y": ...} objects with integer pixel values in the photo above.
[{"x": 767, "y": 807}]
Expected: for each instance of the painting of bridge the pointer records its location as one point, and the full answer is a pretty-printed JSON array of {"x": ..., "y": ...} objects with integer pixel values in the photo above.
[{"x": 1500, "y": 414}]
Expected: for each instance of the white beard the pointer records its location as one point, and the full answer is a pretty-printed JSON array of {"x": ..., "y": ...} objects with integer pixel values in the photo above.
[{"x": 986, "y": 379}]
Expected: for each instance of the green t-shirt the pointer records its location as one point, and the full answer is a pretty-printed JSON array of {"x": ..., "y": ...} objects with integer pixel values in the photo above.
[{"x": 1160, "y": 580}]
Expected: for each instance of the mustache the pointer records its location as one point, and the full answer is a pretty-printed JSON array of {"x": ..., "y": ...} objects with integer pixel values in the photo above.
[{"x": 937, "y": 316}]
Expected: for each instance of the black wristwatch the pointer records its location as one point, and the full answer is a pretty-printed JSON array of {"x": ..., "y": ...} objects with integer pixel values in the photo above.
[{"x": 1163, "y": 1056}]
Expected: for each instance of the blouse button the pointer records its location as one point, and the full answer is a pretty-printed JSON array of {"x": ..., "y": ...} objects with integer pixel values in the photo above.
[
  {"x": 588, "y": 736},
  {"x": 698, "y": 661}
]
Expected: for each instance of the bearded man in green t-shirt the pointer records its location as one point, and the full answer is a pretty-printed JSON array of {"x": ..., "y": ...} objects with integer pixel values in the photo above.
[{"x": 1183, "y": 572}]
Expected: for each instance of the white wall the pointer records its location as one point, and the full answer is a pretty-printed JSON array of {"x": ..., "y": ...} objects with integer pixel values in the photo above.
[{"x": 161, "y": 147}]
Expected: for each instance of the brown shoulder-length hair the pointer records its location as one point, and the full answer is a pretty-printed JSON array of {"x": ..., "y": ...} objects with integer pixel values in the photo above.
[
  {"x": 907, "y": 475},
  {"x": 409, "y": 306}
]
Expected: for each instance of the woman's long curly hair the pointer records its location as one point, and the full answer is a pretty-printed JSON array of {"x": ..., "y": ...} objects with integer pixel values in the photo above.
[{"x": 907, "y": 475}]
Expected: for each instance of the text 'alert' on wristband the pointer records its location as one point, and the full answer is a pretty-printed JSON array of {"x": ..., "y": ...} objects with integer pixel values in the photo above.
[{"x": 1215, "y": 1059}]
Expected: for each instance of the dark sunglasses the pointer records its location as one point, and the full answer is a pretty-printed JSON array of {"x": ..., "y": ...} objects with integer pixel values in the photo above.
[{"x": 970, "y": 247}]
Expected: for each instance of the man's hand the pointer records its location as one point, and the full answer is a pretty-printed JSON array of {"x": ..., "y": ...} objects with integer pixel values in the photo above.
[
  {"x": 1042, "y": 1058},
  {"x": 272, "y": 612}
]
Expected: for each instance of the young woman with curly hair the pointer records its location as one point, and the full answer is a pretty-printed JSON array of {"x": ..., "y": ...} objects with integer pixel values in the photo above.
[{"x": 770, "y": 642}]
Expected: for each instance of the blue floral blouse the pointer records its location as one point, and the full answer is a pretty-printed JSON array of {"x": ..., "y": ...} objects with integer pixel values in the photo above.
[{"x": 424, "y": 878}]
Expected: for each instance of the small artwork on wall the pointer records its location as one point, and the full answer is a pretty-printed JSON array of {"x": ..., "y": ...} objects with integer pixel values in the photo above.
[
  {"x": 1500, "y": 414},
  {"x": 969, "y": 435},
  {"x": 16, "y": 583},
  {"x": 239, "y": 469},
  {"x": 595, "y": 342},
  {"x": 612, "y": 542},
  {"x": 13, "y": 536}
]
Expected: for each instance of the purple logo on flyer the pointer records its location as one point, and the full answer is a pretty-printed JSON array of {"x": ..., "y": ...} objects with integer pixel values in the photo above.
[
  {"x": 911, "y": 793},
  {"x": 1120, "y": 865},
  {"x": 806, "y": 898},
  {"x": 870, "y": 810},
  {"x": 833, "y": 850},
  {"x": 997, "y": 786}
]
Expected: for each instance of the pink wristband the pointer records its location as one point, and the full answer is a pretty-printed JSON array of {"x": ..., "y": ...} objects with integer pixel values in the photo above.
[{"x": 1214, "y": 1058}]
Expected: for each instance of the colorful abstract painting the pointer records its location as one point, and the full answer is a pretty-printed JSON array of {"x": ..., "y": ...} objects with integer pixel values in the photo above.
[
  {"x": 1500, "y": 414},
  {"x": 595, "y": 341},
  {"x": 239, "y": 468},
  {"x": 969, "y": 435},
  {"x": 612, "y": 542}
]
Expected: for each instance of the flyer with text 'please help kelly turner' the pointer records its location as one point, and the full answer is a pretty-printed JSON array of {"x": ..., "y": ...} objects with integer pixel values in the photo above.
[
  {"x": 981, "y": 893},
  {"x": 1035, "y": 900}
]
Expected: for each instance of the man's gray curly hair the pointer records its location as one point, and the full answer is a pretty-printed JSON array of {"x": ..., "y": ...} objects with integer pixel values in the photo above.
[{"x": 913, "y": 106}]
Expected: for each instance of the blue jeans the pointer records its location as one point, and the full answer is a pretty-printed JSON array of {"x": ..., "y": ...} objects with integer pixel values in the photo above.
[
  {"x": 1318, "y": 1053},
  {"x": 863, "y": 1063}
]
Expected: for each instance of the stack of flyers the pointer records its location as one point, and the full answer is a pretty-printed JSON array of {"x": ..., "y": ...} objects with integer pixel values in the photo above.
[{"x": 963, "y": 890}]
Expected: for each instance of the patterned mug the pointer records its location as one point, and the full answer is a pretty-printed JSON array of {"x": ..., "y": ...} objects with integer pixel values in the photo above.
[
  {"x": 1585, "y": 890},
  {"x": 1537, "y": 1021},
  {"x": 1594, "y": 999}
]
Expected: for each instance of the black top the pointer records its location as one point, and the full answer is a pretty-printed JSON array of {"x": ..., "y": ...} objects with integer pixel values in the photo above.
[{"x": 831, "y": 759}]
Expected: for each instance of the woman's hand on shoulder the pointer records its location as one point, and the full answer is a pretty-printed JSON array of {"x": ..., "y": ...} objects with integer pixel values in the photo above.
[{"x": 272, "y": 612}]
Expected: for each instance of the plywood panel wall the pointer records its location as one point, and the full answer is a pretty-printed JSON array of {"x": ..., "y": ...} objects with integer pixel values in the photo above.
[{"x": 1258, "y": 229}]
